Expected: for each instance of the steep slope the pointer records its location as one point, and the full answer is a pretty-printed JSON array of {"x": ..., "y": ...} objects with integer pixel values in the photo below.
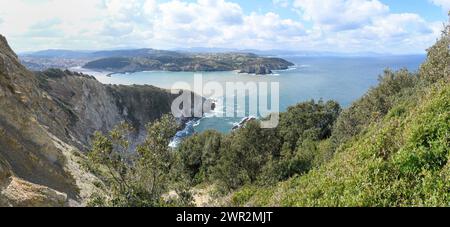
[
  {"x": 394, "y": 147},
  {"x": 403, "y": 161},
  {"x": 90, "y": 106},
  {"x": 26, "y": 146},
  {"x": 46, "y": 122}
]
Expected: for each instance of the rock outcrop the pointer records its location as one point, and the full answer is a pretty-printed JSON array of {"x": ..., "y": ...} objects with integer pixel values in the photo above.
[
  {"x": 26, "y": 144},
  {"x": 46, "y": 123},
  {"x": 90, "y": 106},
  {"x": 20, "y": 193},
  {"x": 257, "y": 69}
]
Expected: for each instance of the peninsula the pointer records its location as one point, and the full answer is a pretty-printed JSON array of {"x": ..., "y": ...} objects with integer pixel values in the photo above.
[{"x": 151, "y": 60}]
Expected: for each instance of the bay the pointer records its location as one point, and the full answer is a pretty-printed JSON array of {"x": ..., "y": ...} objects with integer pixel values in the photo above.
[{"x": 344, "y": 79}]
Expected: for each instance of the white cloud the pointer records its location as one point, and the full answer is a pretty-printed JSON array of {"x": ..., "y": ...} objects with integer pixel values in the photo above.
[
  {"x": 366, "y": 25},
  {"x": 41, "y": 23},
  {"x": 266, "y": 31},
  {"x": 281, "y": 3},
  {"x": 337, "y": 15},
  {"x": 395, "y": 33},
  {"x": 211, "y": 23},
  {"x": 131, "y": 10},
  {"x": 336, "y": 25},
  {"x": 399, "y": 25},
  {"x": 445, "y": 4}
]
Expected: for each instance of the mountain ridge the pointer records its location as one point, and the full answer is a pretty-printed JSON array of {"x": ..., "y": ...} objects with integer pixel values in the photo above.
[{"x": 146, "y": 59}]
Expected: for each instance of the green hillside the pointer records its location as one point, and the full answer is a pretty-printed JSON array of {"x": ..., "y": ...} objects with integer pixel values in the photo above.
[
  {"x": 394, "y": 147},
  {"x": 174, "y": 61},
  {"x": 400, "y": 161}
]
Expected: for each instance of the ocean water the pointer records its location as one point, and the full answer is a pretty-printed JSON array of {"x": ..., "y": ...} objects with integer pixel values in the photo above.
[{"x": 344, "y": 79}]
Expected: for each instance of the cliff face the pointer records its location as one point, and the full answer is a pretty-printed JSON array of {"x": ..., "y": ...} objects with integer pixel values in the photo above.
[
  {"x": 46, "y": 122},
  {"x": 90, "y": 106},
  {"x": 86, "y": 105}
]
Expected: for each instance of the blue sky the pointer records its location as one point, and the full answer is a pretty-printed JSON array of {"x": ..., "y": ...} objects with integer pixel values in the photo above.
[
  {"x": 384, "y": 26},
  {"x": 427, "y": 9}
]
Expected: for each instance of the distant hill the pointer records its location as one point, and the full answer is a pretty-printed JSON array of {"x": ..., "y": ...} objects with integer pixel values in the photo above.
[
  {"x": 145, "y": 52},
  {"x": 89, "y": 54},
  {"x": 282, "y": 53},
  {"x": 147, "y": 60},
  {"x": 182, "y": 59},
  {"x": 133, "y": 60},
  {"x": 56, "y": 53}
]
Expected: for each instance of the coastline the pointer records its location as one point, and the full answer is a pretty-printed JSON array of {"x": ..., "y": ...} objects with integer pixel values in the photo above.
[
  {"x": 95, "y": 73},
  {"x": 251, "y": 68}
]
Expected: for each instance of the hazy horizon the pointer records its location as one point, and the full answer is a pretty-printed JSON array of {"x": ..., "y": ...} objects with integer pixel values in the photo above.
[{"x": 231, "y": 50}]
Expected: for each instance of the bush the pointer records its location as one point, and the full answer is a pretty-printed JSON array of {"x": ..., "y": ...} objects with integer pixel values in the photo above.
[
  {"x": 263, "y": 156},
  {"x": 244, "y": 153},
  {"x": 299, "y": 121},
  {"x": 199, "y": 153},
  {"x": 138, "y": 180},
  {"x": 437, "y": 66},
  {"x": 374, "y": 105}
]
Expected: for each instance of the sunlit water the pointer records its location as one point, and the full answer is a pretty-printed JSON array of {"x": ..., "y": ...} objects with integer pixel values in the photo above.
[{"x": 328, "y": 78}]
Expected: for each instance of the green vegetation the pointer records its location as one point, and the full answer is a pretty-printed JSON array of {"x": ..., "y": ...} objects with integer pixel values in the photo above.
[
  {"x": 256, "y": 155},
  {"x": 142, "y": 179},
  {"x": 390, "y": 148},
  {"x": 401, "y": 161},
  {"x": 174, "y": 61}
]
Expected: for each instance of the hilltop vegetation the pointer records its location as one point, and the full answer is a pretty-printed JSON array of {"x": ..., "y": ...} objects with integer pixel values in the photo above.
[{"x": 245, "y": 63}]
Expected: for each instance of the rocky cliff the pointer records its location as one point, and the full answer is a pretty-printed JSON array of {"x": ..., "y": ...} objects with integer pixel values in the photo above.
[
  {"x": 90, "y": 106},
  {"x": 46, "y": 123}
]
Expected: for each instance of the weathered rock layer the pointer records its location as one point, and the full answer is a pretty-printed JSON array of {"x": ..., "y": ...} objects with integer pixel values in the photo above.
[{"x": 47, "y": 120}]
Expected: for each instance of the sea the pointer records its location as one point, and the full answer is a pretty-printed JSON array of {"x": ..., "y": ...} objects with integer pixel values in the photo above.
[{"x": 343, "y": 79}]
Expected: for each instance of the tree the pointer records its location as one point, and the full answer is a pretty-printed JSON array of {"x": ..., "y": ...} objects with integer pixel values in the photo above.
[
  {"x": 140, "y": 178},
  {"x": 264, "y": 156},
  {"x": 244, "y": 153},
  {"x": 375, "y": 104},
  {"x": 306, "y": 116},
  {"x": 108, "y": 160},
  {"x": 437, "y": 65},
  {"x": 199, "y": 153}
]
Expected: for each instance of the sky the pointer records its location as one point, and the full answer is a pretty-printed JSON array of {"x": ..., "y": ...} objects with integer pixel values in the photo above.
[{"x": 348, "y": 26}]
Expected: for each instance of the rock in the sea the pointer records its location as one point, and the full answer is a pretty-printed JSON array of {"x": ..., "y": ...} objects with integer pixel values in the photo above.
[{"x": 257, "y": 69}]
